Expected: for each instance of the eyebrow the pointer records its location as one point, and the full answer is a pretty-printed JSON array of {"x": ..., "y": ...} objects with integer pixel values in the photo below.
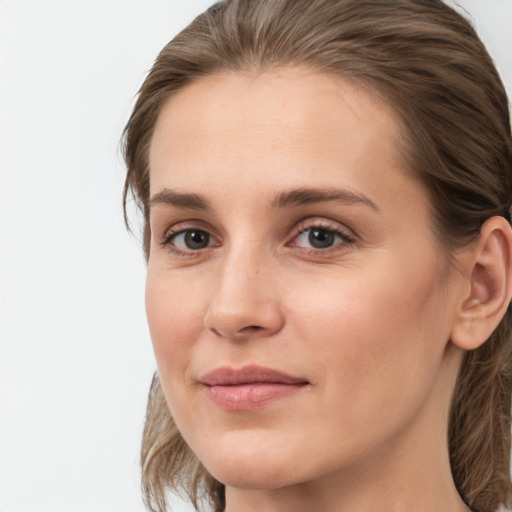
[
  {"x": 180, "y": 200},
  {"x": 288, "y": 199},
  {"x": 303, "y": 196}
]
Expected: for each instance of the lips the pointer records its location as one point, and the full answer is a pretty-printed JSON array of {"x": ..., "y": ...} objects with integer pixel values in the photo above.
[{"x": 249, "y": 387}]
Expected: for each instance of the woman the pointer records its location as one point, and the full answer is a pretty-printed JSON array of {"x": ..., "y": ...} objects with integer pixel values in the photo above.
[{"x": 326, "y": 189}]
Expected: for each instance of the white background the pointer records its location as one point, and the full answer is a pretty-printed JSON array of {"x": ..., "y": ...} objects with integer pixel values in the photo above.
[{"x": 75, "y": 355}]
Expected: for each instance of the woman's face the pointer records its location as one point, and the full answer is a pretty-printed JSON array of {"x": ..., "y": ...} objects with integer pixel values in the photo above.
[{"x": 298, "y": 302}]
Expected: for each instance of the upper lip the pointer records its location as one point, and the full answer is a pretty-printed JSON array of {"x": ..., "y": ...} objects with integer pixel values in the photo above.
[{"x": 227, "y": 376}]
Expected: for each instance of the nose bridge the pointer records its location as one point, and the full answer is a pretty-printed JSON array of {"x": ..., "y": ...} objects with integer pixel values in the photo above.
[
  {"x": 240, "y": 286},
  {"x": 244, "y": 300}
]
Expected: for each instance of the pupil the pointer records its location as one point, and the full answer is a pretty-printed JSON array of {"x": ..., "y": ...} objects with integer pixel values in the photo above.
[
  {"x": 321, "y": 238},
  {"x": 196, "y": 239}
]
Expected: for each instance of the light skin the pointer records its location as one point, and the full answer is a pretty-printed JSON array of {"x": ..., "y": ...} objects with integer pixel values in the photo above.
[{"x": 288, "y": 233}]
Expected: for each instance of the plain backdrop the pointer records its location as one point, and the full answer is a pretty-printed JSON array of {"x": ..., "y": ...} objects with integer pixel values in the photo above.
[{"x": 75, "y": 354}]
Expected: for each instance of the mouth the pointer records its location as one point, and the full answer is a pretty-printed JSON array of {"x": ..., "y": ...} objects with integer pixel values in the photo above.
[{"x": 249, "y": 387}]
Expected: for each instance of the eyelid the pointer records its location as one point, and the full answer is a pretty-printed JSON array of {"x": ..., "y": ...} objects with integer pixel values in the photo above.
[{"x": 184, "y": 225}]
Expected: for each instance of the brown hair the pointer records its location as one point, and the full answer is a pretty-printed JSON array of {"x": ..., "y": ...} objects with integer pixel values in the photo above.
[{"x": 424, "y": 59}]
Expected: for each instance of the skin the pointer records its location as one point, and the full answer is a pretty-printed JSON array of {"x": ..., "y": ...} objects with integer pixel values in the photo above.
[{"x": 366, "y": 322}]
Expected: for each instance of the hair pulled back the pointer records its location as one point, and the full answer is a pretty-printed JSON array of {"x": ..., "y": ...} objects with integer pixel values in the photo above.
[{"x": 426, "y": 61}]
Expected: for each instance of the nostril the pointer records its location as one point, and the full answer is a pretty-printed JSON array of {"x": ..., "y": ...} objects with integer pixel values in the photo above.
[{"x": 215, "y": 331}]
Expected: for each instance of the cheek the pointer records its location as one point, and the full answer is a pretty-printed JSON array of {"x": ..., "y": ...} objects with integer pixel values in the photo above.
[
  {"x": 175, "y": 311},
  {"x": 374, "y": 354},
  {"x": 367, "y": 327}
]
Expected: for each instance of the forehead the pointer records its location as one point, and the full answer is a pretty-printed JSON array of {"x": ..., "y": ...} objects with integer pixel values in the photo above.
[{"x": 283, "y": 128}]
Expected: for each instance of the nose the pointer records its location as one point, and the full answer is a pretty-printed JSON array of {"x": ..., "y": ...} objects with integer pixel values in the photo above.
[{"x": 246, "y": 301}]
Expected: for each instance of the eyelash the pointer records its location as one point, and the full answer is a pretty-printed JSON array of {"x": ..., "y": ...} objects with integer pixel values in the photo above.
[{"x": 347, "y": 239}]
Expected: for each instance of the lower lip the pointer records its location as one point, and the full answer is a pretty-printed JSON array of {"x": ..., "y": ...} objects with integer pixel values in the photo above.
[{"x": 250, "y": 396}]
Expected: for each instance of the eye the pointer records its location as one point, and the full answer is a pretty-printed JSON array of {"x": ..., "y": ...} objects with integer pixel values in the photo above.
[
  {"x": 318, "y": 238},
  {"x": 321, "y": 238},
  {"x": 189, "y": 240}
]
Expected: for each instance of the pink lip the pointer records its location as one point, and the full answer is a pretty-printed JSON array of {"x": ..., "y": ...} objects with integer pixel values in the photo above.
[{"x": 249, "y": 387}]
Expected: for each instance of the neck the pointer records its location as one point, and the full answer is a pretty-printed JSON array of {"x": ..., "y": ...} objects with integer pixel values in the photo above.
[{"x": 425, "y": 487}]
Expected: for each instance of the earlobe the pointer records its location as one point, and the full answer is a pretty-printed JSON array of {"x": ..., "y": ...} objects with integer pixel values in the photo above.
[{"x": 489, "y": 274}]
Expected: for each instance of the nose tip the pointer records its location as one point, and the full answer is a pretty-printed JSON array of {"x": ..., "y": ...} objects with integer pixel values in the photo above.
[
  {"x": 239, "y": 323},
  {"x": 244, "y": 305}
]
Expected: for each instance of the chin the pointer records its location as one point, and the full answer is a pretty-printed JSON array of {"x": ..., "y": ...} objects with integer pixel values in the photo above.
[
  {"x": 251, "y": 476},
  {"x": 253, "y": 468}
]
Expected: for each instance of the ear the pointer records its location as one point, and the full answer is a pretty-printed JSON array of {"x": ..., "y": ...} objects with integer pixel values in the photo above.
[{"x": 488, "y": 272}]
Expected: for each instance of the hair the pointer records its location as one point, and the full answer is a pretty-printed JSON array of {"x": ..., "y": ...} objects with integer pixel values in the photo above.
[{"x": 425, "y": 60}]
